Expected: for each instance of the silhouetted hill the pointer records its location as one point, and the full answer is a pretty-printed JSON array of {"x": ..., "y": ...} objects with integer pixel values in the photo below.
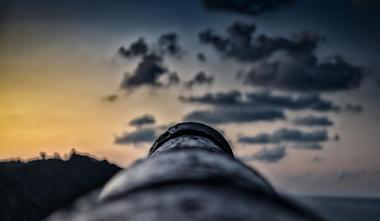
[{"x": 30, "y": 191}]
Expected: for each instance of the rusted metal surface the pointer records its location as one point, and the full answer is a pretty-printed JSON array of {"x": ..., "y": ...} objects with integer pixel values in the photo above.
[{"x": 189, "y": 174}]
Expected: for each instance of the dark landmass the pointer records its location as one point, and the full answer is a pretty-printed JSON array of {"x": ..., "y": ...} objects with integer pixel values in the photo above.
[{"x": 30, "y": 191}]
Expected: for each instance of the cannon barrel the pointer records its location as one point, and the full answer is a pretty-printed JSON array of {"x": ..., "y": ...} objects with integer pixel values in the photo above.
[{"x": 191, "y": 173}]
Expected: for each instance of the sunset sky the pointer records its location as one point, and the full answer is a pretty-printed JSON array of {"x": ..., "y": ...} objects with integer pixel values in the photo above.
[{"x": 293, "y": 84}]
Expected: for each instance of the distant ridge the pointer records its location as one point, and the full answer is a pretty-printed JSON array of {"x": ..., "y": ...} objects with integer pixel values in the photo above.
[{"x": 30, "y": 191}]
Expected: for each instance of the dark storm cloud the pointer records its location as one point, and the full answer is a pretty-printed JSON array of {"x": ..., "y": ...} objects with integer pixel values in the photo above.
[
  {"x": 218, "y": 42},
  {"x": 201, "y": 57},
  {"x": 110, "y": 98},
  {"x": 286, "y": 135},
  {"x": 285, "y": 72},
  {"x": 284, "y": 63},
  {"x": 242, "y": 44},
  {"x": 268, "y": 155},
  {"x": 168, "y": 44},
  {"x": 142, "y": 135},
  {"x": 247, "y": 7},
  {"x": 138, "y": 48},
  {"x": 263, "y": 100},
  {"x": 148, "y": 73},
  {"x": 241, "y": 33},
  {"x": 225, "y": 116},
  {"x": 151, "y": 68},
  {"x": 302, "y": 102},
  {"x": 201, "y": 78},
  {"x": 354, "y": 108},
  {"x": 312, "y": 121},
  {"x": 143, "y": 120}
]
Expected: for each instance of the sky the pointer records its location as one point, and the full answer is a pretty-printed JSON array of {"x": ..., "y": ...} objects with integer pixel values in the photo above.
[{"x": 292, "y": 84}]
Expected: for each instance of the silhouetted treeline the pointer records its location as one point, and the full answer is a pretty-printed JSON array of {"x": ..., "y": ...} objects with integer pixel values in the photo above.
[{"x": 29, "y": 191}]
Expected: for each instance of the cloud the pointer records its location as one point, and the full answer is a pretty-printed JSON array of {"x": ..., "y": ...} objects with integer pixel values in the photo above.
[
  {"x": 148, "y": 73},
  {"x": 289, "y": 73},
  {"x": 350, "y": 175},
  {"x": 269, "y": 155},
  {"x": 282, "y": 63},
  {"x": 151, "y": 70},
  {"x": 224, "y": 116},
  {"x": 146, "y": 119},
  {"x": 168, "y": 44},
  {"x": 246, "y": 7},
  {"x": 317, "y": 159},
  {"x": 302, "y": 176},
  {"x": 286, "y": 135},
  {"x": 242, "y": 44},
  {"x": 312, "y": 121},
  {"x": 229, "y": 98},
  {"x": 218, "y": 42},
  {"x": 174, "y": 79},
  {"x": 110, "y": 98},
  {"x": 138, "y": 48},
  {"x": 354, "y": 108},
  {"x": 201, "y": 57},
  {"x": 201, "y": 78},
  {"x": 308, "y": 146},
  {"x": 263, "y": 100},
  {"x": 336, "y": 137},
  {"x": 302, "y": 102},
  {"x": 141, "y": 135},
  {"x": 356, "y": 174}
]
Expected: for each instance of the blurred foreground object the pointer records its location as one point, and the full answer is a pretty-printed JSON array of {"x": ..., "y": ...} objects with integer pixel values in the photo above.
[{"x": 190, "y": 174}]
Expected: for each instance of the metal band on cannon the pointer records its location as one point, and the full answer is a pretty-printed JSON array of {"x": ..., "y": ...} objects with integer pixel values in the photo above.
[{"x": 191, "y": 134}]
